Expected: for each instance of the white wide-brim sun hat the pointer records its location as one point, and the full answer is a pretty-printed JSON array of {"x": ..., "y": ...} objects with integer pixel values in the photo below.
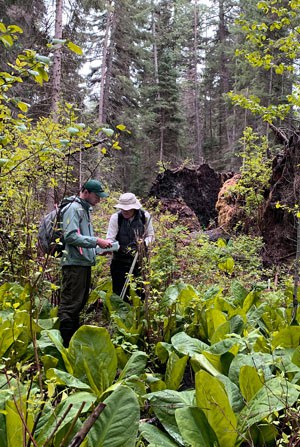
[{"x": 128, "y": 201}]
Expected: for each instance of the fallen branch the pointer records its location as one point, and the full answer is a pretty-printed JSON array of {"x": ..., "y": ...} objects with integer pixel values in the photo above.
[
  {"x": 79, "y": 437},
  {"x": 50, "y": 437},
  {"x": 72, "y": 425}
]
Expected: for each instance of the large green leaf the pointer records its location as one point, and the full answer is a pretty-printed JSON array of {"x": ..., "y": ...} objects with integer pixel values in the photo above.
[
  {"x": 117, "y": 425},
  {"x": 276, "y": 394},
  {"x": 220, "y": 333},
  {"x": 135, "y": 366},
  {"x": 155, "y": 436},
  {"x": 185, "y": 299},
  {"x": 223, "y": 346},
  {"x": 233, "y": 326},
  {"x": 184, "y": 344},
  {"x": 250, "y": 381},
  {"x": 175, "y": 370},
  {"x": 164, "y": 405},
  {"x": 60, "y": 377},
  {"x": 257, "y": 360},
  {"x": 212, "y": 399},
  {"x": 286, "y": 338},
  {"x": 250, "y": 299},
  {"x": 170, "y": 296},
  {"x": 163, "y": 350},
  {"x": 238, "y": 291},
  {"x": 233, "y": 393},
  {"x": 214, "y": 318},
  {"x": 199, "y": 361},
  {"x": 93, "y": 357},
  {"x": 55, "y": 337},
  {"x": 195, "y": 428},
  {"x": 263, "y": 434},
  {"x": 14, "y": 423}
]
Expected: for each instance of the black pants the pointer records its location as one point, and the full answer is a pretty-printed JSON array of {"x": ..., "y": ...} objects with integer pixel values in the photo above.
[
  {"x": 119, "y": 271},
  {"x": 76, "y": 283}
]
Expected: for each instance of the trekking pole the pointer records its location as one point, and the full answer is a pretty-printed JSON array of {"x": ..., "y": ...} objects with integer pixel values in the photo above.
[
  {"x": 133, "y": 264},
  {"x": 128, "y": 276}
]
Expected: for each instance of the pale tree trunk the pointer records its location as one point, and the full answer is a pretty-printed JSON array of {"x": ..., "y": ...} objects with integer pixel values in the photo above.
[
  {"x": 155, "y": 61},
  {"x": 108, "y": 64},
  {"x": 224, "y": 79},
  {"x": 198, "y": 124},
  {"x": 104, "y": 67},
  {"x": 56, "y": 75}
]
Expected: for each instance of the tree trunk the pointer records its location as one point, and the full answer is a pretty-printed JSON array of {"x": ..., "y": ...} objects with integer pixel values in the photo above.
[
  {"x": 104, "y": 69},
  {"x": 198, "y": 124},
  {"x": 224, "y": 80},
  {"x": 56, "y": 82},
  {"x": 155, "y": 61}
]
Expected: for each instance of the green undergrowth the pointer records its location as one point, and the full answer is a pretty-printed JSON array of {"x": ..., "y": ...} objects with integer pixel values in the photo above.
[{"x": 208, "y": 358}]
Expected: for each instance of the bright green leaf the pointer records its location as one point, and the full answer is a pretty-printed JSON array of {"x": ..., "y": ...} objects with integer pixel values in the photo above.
[
  {"x": 118, "y": 424},
  {"x": 250, "y": 381},
  {"x": 213, "y": 401},
  {"x": 195, "y": 428},
  {"x": 75, "y": 48}
]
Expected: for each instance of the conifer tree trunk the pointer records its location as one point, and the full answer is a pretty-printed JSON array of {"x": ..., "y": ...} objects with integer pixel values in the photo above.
[
  {"x": 56, "y": 76},
  {"x": 198, "y": 125},
  {"x": 155, "y": 60},
  {"x": 104, "y": 67},
  {"x": 224, "y": 137}
]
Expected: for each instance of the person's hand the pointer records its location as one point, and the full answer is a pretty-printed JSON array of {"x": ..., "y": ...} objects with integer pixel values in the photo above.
[{"x": 103, "y": 243}]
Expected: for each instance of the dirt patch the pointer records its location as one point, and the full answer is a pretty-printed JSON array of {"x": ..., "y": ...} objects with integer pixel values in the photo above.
[{"x": 198, "y": 187}]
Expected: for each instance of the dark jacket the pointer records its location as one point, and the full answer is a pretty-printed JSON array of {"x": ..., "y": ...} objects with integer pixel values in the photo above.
[{"x": 130, "y": 231}]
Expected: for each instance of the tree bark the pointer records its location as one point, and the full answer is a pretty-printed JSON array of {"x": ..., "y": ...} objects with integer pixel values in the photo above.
[
  {"x": 56, "y": 83},
  {"x": 104, "y": 69},
  {"x": 198, "y": 124}
]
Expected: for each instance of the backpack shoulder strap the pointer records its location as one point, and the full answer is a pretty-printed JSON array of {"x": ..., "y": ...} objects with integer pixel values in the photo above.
[
  {"x": 142, "y": 215},
  {"x": 120, "y": 218}
]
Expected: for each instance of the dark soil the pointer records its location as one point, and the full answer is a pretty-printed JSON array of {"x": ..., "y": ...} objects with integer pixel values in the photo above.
[
  {"x": 197, "y": 187},
  {"x": 193, "y": 192}
]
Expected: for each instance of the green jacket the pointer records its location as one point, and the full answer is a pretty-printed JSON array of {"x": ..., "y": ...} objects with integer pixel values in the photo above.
[{"x": 80, "y": 242}]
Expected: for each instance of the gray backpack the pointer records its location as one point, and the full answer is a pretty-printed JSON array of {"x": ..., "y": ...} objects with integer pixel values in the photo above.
[{"x": 50, "y": 232}]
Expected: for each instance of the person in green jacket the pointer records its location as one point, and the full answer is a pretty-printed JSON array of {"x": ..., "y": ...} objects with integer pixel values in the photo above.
[{"x": 78, "y": 256}]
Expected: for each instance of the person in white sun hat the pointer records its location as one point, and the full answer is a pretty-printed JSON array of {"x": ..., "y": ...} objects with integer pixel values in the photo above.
[{"x": 130, "y": 226}]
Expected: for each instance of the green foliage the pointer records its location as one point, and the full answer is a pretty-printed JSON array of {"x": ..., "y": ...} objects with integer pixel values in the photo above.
[
  {"x": 241, "y": 349},
  {"x": 164, "y": 259},
  {"x": 255, "y": 172},
  {"x": 35, "y": 164},
  {"x": 272, "y": 45},
  {"x": 207, "y": 313}
]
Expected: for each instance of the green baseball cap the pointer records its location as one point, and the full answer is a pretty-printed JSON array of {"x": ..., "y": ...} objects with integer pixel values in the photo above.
[{"x": 96, "y": 187}]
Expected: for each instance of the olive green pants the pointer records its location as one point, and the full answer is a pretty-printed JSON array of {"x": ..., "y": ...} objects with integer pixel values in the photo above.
[{"x": 76, "y": 282}]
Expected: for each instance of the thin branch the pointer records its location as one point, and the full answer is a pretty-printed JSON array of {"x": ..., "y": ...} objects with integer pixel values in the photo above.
[
  {"x": 57, "y": 425},
  {"x": 79, "y": 149},
  {"x": 79, "y": 437},
  {"x": 283, "y": 139},
  {"x": 36, "y": 422},
  {"x": 72, "y": 425}
]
